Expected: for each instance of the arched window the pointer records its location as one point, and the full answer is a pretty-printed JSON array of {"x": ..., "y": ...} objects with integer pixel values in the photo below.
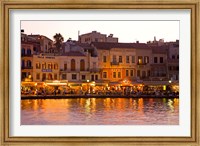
[
  {"x": 23, "y": 52},
  {"x": 82, "y": 65},
  {"x": 73, "y": 65},
  {"x": 50, "y": 65},
  {"x": 29, "y": 52}
]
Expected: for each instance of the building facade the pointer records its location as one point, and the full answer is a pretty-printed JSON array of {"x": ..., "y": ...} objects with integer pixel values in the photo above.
[
  {"x": 99, "y": 61},
  {"x": 95, "y": 36}
]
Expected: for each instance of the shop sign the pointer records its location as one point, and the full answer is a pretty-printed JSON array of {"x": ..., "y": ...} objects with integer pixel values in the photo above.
[{"x": 46, "y": 70}]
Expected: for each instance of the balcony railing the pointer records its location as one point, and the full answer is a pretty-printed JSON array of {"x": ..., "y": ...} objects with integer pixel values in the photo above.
[
  {"x": 26, "y": 67},
  {"x": 114, "y": 63}
]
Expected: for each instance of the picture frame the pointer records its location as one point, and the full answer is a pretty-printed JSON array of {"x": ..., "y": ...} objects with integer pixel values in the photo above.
[{"x": 6, "y": 6}]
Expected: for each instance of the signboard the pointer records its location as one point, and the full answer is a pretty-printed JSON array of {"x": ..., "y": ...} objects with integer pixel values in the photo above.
[{"x": 46, "y": 70}]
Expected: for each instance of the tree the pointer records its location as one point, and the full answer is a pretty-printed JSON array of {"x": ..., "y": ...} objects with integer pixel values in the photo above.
[{"x": 58, "y": 41}]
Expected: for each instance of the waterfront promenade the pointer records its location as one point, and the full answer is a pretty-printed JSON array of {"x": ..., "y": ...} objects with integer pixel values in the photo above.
[{"x": 94, "y": 96}]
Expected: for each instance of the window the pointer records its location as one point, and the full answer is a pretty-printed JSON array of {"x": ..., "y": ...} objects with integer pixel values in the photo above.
[
  {"x": 64, "y": 77},
  {"x": 50, "y": 77},
  {"x": 146, "y": 59},
  {"x": 138, "y": 73},
  {"x": 73, "y": 76},
  {"x": 96, "y": 77},
  {"x": 82, "y": 65},
  {"x": 49, "y": 66},
  {"x": 38, "y": 65},
  {"x": 120, "y": 59},
  {"x": 23, "y": 52},
  {"x": 23, "y": 63},
  {"x": 127, "y": 73},
  {"x": 173, "y": 56},
  {"x": 161, "y": 59},
  {"x": 114, "y": 74},
  {"x": 155, "y": 60},
  {"x": 96, "y": 39},
  {"x": 119, "y": 74},
  {"x": 83, "y": 77},
  {"x": 127, "y": 59},
  {"x": 133, "y": 59},
  {"x": 143, "y": 74},
  {"x": 92, "y": 77},
  {"x": 55, "y": 66},
  {"x": 43, "y": 76},
  {"x": 43, "y": 65},
  {"x": 65, "y": 66},
  {"x": 114, "y": 58},
  {"x": 104, "y": 59},
  {"x": 131, "y": 73},
  {"x": 29, "y": 51},
  {"x": 38, "y": 76},
  {"x": 177, "y": 56},
  {"x": 104, "y": 74},
  {"x": 55, "y": 77},
  {"x": 140, "y": 60},
  {"x": 29, "y": 63},
  {"x": 73, "y": 65}
]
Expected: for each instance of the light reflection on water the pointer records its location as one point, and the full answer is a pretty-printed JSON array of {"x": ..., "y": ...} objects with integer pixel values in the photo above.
[{"x": 100, "y": 111}]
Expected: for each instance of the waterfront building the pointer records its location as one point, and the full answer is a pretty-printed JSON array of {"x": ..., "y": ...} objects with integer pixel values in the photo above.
[
  {"x": 100, "y": 63},
  {"x": 95, "y": 36},
  {"x": 29, "y": 47},
  {"x": 45, "y": 42},
  {"x": 159, "y": 63},
  {"x": 119, "y": 61},
  {"x": 45, "y": 67},
  {"x": 173, "y": 61}
]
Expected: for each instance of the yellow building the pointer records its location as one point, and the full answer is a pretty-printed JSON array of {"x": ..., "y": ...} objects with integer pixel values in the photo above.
[
  {"x": 119, "y": 61},
  {"x": 45, "y": 67}
]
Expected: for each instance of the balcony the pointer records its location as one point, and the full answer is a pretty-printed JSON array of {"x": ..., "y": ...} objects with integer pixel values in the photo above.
[
  {"x": 26, "y": 67},
  {"x": 114, "y": 63}
]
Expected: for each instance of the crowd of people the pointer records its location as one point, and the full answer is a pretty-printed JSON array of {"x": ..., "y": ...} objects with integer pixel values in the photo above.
[{"x": 111, "y": 91}]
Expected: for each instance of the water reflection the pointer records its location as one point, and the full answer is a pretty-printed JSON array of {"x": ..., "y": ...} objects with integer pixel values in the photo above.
[{"x": 100, "y": 111}]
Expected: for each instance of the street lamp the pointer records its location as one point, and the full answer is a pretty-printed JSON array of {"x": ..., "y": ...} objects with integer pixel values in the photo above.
[
  {"x": 88, "y": 85},
  {"x": 170, "y": 81}
]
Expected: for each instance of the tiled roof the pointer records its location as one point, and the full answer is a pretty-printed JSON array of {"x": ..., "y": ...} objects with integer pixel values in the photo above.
[
  {"x": 108, "y": 45},
  {"x": 73, "y": 53}
]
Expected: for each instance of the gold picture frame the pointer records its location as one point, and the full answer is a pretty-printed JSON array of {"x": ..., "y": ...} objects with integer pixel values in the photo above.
[{"x": 7, "y": 5}]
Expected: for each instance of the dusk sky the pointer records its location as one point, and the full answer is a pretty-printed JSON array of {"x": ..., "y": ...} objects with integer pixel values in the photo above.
[{"x": 126, "y": 31}]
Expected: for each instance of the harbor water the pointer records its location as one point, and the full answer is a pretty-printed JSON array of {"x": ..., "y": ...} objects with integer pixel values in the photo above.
[{"x": 100, "y": 111}]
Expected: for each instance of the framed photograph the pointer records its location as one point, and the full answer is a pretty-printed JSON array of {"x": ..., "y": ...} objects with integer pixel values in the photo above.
[{"x": 99, "y": 73}]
